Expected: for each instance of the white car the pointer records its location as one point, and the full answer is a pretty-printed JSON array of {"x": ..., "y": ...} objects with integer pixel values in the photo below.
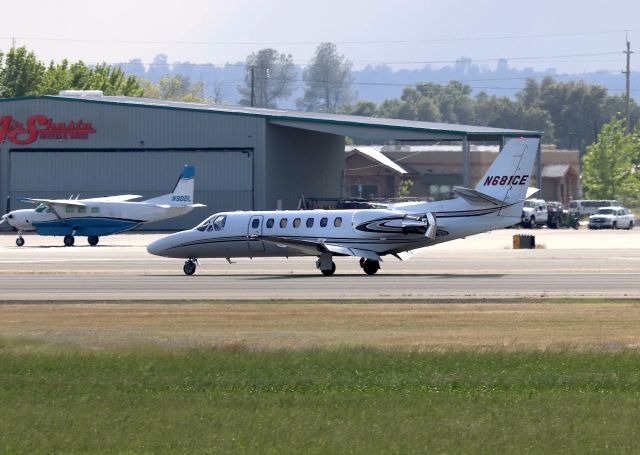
[
  {"x": 534, "y": 213},
  {"x": 612, "y": 218}
]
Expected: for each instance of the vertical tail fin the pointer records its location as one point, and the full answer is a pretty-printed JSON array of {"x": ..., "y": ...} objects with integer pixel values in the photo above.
[
  {"x": 508, "y": 178},
  {"x": 182, "y": 195},
  {"x": 183, "y": 191}
]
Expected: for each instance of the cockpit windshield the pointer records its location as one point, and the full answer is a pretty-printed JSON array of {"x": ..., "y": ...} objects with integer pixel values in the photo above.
[
  {"x": 42, "y": 208},
  {"x": 213, "y": 223}
]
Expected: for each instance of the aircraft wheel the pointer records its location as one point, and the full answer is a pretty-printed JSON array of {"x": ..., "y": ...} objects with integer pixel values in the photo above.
[
  {"x": 19, "y": 241},
  {"x": 330, "y": 271},
  {"x": 189, "y": 268},
  {"x": 93, "y": 240},
  {"x": 69, "y": 240},
  {"x": 370, "y": 267}
]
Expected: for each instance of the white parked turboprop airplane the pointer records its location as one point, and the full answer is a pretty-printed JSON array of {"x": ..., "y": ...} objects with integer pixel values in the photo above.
[
  {"x": 100, "y": 216},
  {"x": 368, "y": 234}
]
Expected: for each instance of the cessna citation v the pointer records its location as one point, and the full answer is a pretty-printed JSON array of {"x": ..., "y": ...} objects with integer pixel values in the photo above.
[
  {"x": 102, "y": 215},
  {"x": 367, "y": 234}
]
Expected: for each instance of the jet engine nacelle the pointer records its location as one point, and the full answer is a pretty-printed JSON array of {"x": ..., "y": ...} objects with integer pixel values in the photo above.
[{"x": 420, "y": 224}]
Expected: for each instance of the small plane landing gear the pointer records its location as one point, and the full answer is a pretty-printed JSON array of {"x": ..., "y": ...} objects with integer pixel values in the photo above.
[
  {"x": 331, "y": 271},
  {"x": 370, "y": 267},
  {"x": 69, "y": 240},
  {"x": 93, "y": 240},
  {"x": 326, "y": 264},
  {"x": 189, "y": 267},
  {"x": 20, "y": 241}
]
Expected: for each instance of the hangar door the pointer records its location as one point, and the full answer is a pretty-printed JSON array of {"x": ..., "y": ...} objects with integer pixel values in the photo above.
[{"x": 224, "y": 177}]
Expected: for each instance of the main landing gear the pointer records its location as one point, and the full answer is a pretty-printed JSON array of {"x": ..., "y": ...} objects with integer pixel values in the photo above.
[
  {"x": 93, "y": 240},
  {"x": 325, "y": 264},
  {"x": 69, "y": 240},
  {"x": 189, "y": 267},
  {"x": 369, "y": 266}
]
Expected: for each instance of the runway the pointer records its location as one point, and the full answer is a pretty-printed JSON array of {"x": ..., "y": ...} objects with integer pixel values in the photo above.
[{"x": 570, "y": 264}]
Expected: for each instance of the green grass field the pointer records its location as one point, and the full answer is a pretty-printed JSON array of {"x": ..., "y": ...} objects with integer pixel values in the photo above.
[{"x": 60, "y": 399}]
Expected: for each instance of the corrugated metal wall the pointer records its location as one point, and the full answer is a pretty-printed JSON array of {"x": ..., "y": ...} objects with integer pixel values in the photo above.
[
  {"x": 301, "y": 162},
  {"x": 224, "y": 178}
]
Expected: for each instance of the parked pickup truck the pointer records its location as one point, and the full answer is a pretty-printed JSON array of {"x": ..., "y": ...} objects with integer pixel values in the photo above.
[{"x": 534, "y": 213}]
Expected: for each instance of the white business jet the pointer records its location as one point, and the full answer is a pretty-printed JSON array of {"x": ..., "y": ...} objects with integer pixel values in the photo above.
[
  {"x": 367, "y": 234},
  {"x": 101, "y": 216}
]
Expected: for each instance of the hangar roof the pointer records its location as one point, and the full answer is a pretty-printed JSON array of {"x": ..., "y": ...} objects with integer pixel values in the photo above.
[{"x": 344, "y": 125}]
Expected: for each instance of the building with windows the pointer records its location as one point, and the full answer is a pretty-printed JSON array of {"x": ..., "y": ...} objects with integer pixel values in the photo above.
[{"x": 376, "y": 172}]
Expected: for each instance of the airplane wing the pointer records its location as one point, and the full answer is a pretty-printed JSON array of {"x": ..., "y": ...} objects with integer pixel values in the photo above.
[
  {"x": 312, "y": 247},
  {"x": 120, "y": 198},
  {"x": 50, "y": 202}
]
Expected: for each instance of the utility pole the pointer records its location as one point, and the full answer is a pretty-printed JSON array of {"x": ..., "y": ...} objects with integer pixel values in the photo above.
[
  {"x": 253, "y": 91},
  {"x": 627, "y": 73}
]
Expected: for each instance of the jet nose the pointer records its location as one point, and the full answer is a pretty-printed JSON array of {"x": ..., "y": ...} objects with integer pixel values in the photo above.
[{"x": 159, "y": 247}]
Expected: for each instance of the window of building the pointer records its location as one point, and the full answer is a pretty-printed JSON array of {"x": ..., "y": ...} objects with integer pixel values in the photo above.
[
  {"x": 270, "y": 223},
  {"x": 283, "y": 223},
  {"x": 323, "y": 222},
  {"x": 296, "y": 222},
  {"x": 309, "y": 222},
  {"x": 337, "y": 222}
]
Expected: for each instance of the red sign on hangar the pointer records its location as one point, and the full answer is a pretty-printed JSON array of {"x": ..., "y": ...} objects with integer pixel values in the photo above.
[{"x": 42, "y": 127}]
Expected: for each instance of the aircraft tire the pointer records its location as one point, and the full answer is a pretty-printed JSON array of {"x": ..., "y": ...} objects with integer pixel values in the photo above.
[
  {"x": 189, "y": 268},
  {"x": 93, "y": 240},
  {"x": 69, "y": 240},
  {"x": 330, "y": 271},
  {"x": 370, "y": 267},
  {"x": 19, "y": 241}
]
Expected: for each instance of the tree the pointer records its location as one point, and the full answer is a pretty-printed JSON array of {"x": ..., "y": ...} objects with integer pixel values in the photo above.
[
  {"x": 611, "y": 166},
  {"x": 273, "y": 77},
  {"x": 328, "y": 81},
  {"x": 21, "y": 73},
  {"x": 362, "y": 108}
]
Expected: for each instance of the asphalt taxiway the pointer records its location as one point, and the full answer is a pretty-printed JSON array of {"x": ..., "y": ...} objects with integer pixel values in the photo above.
[{"x": 569, "y": 264}]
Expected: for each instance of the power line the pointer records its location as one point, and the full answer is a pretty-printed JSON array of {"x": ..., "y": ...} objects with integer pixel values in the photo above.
[{"x": 306, "y": 43}]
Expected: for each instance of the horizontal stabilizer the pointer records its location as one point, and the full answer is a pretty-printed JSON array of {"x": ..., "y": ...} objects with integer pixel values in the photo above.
[
  {"x": 50, "y": 202},
  {"x": 531, "y": 191},
  {"x": 476, "y": 197}
]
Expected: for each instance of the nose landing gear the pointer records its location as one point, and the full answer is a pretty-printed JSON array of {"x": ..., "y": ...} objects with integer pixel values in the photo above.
[
  {"x": 19, "y": 240},
  {"x": 189, "y": 267}
]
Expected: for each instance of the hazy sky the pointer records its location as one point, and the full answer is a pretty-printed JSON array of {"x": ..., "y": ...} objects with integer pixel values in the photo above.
[{"x": 589, "y": 35}]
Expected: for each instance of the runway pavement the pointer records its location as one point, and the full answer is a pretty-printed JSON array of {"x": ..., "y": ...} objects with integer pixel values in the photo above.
[{"x": 570, "y": 264}]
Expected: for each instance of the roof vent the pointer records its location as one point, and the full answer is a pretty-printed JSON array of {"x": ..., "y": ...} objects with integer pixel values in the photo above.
[{"x": 81, "y": 93}]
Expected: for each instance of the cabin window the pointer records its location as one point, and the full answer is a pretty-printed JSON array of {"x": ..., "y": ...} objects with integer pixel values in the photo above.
[
  {"x": 337, "y": 222},
  {"x": 82, "y": 210},
  {"x": 283, "y": 223},
  {"x": 69, "y": 209},
  {"x": 41, "y": 208},
  {"x": 323, "y": 222},
  {"x": 270, "y": 223},
  {"x": 95, "y": 209},
  {"x": 309, "y": 222},
  {"x": 296, "y": 222},
  {"x": 255, "y": 223}
]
